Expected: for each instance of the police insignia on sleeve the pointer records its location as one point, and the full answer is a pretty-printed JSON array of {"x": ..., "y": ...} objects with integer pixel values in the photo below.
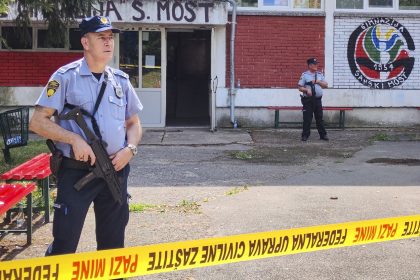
[{"x": 52, "y": 87}]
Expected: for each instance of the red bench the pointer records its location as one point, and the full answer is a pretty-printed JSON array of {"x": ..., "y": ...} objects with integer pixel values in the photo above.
[
  {"x": 10, "y": 194},
  {"x": 277, "y": 122},
  {"x": 35, "y": 169}
]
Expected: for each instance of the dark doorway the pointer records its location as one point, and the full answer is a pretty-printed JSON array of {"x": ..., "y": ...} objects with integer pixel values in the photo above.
[{"x": 188, "y": 76}]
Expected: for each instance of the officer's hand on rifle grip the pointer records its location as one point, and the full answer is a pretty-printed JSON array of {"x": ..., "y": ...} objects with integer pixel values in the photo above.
[{"x": 82, "y": 150}]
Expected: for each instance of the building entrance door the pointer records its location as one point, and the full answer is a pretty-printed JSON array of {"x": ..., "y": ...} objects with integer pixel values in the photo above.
[
  {"x": 188, "y": 77},
  {"x": 140, "y": 53}
]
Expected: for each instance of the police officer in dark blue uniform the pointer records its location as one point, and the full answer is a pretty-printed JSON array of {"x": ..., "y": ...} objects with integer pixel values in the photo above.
[
  {"x": 79, "y": 84},
  {"x": 311, "y": 84}
]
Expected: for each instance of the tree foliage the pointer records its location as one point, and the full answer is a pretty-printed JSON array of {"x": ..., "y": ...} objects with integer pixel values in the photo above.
[
  {"x": 58, "y": 14},
  {"x": 4, "y": 4}
]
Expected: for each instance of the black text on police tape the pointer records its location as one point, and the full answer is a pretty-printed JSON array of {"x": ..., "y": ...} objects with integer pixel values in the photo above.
[
  {"x": 45, "y": 271},
  {"x": 94, "y": 268}
]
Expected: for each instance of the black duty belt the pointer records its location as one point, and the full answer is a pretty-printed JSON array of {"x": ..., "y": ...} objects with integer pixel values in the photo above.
[
  {"x": 309, "y": 97},
  {"x": 75, "y": 164}
]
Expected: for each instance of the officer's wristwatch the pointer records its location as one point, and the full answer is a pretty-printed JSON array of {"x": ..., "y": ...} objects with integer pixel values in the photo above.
[{"x": 133, "y": 149}]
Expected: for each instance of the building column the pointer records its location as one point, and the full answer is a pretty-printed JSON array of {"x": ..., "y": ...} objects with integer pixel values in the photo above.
[{"x": 329, "y": 41}]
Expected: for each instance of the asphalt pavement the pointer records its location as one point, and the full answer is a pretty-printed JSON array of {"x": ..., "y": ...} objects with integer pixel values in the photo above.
[
  {"x": 204, "y": 184},
  {"x": 239, "y": 185}
]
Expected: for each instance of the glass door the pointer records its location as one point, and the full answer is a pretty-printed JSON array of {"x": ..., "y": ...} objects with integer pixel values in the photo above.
[
  {"x": 140, "y": 56},
  {"x": 129, "y": 56}
]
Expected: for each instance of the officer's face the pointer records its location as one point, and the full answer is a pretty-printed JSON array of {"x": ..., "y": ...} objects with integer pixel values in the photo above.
[
  {"x": 313, "y": 67},
  {"x": 99, "y": 45}
]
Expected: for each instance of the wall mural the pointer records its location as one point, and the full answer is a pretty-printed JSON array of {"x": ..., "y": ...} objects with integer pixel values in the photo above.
[{"x": 379, "y": 53}]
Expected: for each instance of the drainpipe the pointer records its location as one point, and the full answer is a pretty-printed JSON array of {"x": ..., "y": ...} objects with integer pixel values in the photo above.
[{"x": 232, "y": 64}]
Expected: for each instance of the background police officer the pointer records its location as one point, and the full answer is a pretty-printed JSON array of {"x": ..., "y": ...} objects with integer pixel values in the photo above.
[
  {"x": 79, "y": 83},
  {"x": 311, "y": 84}
]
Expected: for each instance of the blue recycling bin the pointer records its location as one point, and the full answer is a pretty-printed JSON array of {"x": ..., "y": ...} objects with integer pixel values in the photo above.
[{"x": 14, "y": 128}]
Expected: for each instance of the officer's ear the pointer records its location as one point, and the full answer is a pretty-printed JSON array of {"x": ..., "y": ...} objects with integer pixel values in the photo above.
[{"x": 84, "y": 41}]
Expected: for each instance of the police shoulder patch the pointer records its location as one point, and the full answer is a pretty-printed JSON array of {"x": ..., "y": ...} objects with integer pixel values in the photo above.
[{"x": 52, "y": 87}]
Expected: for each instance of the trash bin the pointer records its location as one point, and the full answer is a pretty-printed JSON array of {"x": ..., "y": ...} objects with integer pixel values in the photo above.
[{"x": 14, "y": 128}]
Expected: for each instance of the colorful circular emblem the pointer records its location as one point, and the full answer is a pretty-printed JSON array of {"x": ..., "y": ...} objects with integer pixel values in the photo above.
[{"x": 379, "y": 53}]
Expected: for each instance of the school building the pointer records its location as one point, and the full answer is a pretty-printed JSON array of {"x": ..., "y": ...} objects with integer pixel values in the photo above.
[{"x": 221, "y": 63}]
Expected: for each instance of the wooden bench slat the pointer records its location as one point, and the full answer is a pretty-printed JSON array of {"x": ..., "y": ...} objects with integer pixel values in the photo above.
[
  {"x": 12, "y": 194},
  {"x": 24, "y": 166},
  {"x": 39, "y": 170},
  {"x": 284, "y": 107},
  {"x": 300, "y": 108},
  {"x": 36, "y": 168}
]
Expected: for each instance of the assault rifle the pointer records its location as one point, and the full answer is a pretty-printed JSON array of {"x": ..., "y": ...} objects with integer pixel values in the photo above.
[
  {"x": 312, "y": 85},
  {"x": 103, "y": 167}
]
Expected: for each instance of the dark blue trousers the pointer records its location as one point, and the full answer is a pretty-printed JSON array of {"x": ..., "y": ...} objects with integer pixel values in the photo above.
[
  {"x": 312, "y": 107},
  {"x": 71, "y": 207}
]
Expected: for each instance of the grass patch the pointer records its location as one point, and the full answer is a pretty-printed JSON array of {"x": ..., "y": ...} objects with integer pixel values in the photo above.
[
  {"x": 241, "y": 155},
  {"x": 236, "y": 190},
  {"x": 140, "y": 207},
  {"x": 21, "y": 154},
  {"x": 382, "y": 136},
  {"x": 246, "y": 155},
  {"x": 188, "y": 206}
]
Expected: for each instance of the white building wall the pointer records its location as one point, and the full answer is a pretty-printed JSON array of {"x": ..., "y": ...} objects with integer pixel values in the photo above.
[
  {"x": 345, "y": 24},
  {"x": 397, "y": 106}
]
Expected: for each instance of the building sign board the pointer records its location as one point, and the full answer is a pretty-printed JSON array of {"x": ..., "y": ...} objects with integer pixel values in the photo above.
[{"x": 200, "y": 12}]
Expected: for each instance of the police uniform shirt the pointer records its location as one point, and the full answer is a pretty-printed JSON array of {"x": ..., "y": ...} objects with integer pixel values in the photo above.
[
  {"x": 307, "y": 77},
  {"x": 75, "y": 84}
]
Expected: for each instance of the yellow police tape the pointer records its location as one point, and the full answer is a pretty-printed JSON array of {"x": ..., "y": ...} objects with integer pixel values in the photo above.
[{"x": 141, "y": 260}]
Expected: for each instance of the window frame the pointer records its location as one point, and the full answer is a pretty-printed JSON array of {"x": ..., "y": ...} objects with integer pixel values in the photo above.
[
  {"x": 288, "y": 8},
  {"x": 117, "y": 53},
  {"x": 407, "y": 11},
  {"x": 35, "y": 40},
  {"x": 366, "y": 4},
  {"x": 395, "y": 8},
  {"x": 141, "y": 78},
  {"x": 68, "y": 39},
  {"x": 7, "y": 24},
  {"x": 35, "y": 27}
]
